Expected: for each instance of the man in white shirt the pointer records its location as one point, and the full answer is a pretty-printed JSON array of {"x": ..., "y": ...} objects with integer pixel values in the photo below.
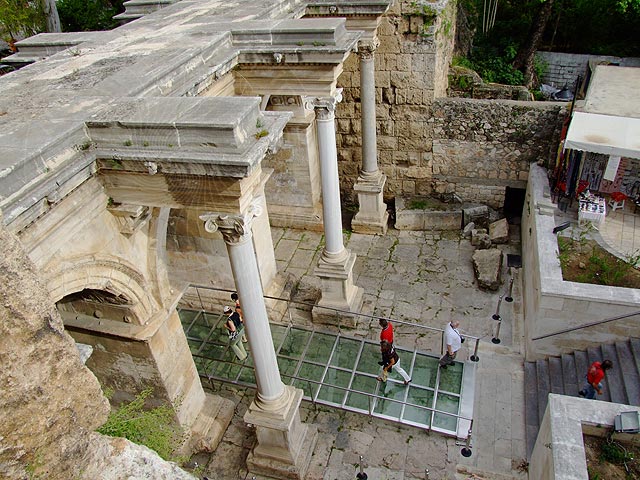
[{"x": 453, "y": 340}]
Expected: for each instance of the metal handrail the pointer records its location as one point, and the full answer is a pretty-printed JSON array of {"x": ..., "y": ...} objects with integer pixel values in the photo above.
[
  {"x": 586, "y": 325},
  {"x": 473, "y": 357}
]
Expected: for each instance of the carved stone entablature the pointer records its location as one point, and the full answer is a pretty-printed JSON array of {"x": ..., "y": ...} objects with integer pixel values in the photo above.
[
  {"x": 325, "y": 107},
  {"x": 129, "y": 217},
  {"x": 367, "y": 48},
  {"x": 285, "y": 101},
  {"x": 235, "y": 229}
]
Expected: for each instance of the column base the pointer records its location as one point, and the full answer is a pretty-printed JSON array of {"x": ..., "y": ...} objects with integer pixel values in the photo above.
[
  {"x": 372, "y": 216},
  {"x": 338, "y": 292},
  {"x": 284, "y": 444}
]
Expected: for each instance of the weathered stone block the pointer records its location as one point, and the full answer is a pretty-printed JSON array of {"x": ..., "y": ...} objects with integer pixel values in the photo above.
[
  {"x": 499, "y": 231},
  {"x": 487, "y": 266},
  {"x": 479, "y": 215}
]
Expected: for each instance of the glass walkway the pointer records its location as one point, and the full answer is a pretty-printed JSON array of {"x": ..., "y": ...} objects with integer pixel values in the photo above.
[{"x": 339, "y": 371}]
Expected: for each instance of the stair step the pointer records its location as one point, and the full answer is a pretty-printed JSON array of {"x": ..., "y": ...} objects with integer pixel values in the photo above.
[
  {"x": 614, "y": 376},
  {"x": 634, "y": 343},
  {"x": 571, "y": 384},
  {"x": 582, "y": 365},
  {"x": 630, "y": 376},
  {"x": 532, "y": 423},
  {"x": 544, "y": 387},
  {"x": 555, "y": 375}
]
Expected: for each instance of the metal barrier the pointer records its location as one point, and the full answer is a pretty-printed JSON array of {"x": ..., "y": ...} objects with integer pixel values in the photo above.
[
  {"x": 372, "y": 400},
  {"x": 474, "y": 357}
]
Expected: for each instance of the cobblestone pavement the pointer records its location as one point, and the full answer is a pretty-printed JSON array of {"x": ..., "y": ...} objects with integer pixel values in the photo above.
[{"x": 424, "y": 278}]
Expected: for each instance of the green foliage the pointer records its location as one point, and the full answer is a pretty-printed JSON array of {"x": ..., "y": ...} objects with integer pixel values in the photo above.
[
  {"x": 576, "y": 26},
  {"x": 593, "y": 475},
  {"x": 88, "y": 15},
  {"x": 154, "y": 428},
  {"x": 565, "y": 247},
  {"x": 495, "y": 66},
  {"x": 613, "y": 452},
  {"x": 601, "y": 268},
  {"x": 261, "y": 133},
  {"x": 21, "y": 18},
  {"x": 463, "y": 82},
  {"x": 418, "y": 205},
  {"x": 458, "y": 61}
]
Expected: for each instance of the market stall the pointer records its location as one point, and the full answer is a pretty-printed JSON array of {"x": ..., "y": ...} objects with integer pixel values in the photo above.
[{"x": 601, "y": 150}]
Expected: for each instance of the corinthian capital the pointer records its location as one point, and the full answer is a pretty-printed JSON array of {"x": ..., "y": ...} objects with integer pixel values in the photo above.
[
  {"x": 235, "y": 229},
  {"x": 325, "y": 107},
  {"x": 367, "y": 48}
]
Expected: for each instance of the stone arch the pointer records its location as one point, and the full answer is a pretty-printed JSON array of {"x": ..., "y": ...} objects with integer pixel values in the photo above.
[{"x": 103, "y": 272}]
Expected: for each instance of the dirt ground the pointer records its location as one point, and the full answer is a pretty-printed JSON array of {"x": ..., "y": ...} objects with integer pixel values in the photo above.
[
  {"x": 601, "y": 469},
  {"x": 579, "y": 267}
]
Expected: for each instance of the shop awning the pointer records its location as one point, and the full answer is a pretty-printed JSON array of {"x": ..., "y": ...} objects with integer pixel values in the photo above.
[{"x": 607, "y": 134}]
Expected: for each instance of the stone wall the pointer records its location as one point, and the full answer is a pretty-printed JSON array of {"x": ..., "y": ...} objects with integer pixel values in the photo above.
[
  {"x": 563, "y": 68},
  {"x": 416, "y": 45},
  {"x": 482, "y": 146}
]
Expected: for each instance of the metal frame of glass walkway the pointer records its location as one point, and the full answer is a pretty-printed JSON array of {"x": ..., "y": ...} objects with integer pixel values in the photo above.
[{"x": 340, "y": 371}]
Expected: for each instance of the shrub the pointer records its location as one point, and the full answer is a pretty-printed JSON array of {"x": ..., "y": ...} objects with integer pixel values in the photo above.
[{"x": 154, "y": 428}]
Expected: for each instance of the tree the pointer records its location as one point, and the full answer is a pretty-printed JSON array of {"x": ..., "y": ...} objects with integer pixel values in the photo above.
[
  {"x": 89, "y": 15},
  {"x": 53, "y": 20},
  {"x": 524, "y": 60},
  {"x": 20, "y": 19}
]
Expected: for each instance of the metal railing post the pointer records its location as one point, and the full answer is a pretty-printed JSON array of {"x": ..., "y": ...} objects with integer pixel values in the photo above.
[
  {"x": 496, "y": 338},
  {"x": 200, "y": 298},
  {"x": 496, "y": 316},
  {"x": 466, "y": 450},
  {"x": 509, "y": 298},
  {"x": 361, "y": 475},
  {"x": 474, "y": 357}
]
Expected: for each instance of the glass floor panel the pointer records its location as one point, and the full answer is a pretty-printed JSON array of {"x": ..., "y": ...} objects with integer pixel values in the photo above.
[{"x": 337, "y": 371}]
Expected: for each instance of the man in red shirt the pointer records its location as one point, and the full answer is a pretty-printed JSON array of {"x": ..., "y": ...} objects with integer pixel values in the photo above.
[
  {"x": 595, "y": 375},
  {"x": 387, "y": 330},
  {"x": 386, "y": 335}
]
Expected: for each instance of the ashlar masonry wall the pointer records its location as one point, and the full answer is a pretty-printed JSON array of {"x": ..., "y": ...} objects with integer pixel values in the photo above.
[{"x": 416, "y": 46}]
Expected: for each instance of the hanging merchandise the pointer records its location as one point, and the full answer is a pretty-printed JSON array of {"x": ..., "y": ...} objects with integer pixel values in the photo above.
[
  {"x": 612, "y": 168},
  {"x": 593, "y": 167}
]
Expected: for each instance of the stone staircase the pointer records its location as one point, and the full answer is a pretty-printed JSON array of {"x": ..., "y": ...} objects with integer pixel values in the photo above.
[{"x": 565, "y": 375}]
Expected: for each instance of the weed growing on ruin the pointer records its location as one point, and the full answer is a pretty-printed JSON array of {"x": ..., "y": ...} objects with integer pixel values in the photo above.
[
  {"x": 585, "y": 261},
  {"x": 154, "y": 428}
]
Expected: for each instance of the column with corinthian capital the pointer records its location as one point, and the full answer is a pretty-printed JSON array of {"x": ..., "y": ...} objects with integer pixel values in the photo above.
[
  {"x": 372, "y": 214},
  {"x": 335, "y": 266},
  {"x": 284, "y": 444}
]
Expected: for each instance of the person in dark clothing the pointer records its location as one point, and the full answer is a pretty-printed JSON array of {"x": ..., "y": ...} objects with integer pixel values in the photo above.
[
  {"x": 233, "y": 323},
  {"x": 391, "y": 360}
]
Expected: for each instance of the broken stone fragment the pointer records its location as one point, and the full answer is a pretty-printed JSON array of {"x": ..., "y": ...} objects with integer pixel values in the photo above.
[
  {"x": 499, "y": 231},
  {"x": 487, "y": 266}
]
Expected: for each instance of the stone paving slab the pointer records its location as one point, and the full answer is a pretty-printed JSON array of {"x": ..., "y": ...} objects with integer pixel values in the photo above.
[{"x": 427, "y": 279}]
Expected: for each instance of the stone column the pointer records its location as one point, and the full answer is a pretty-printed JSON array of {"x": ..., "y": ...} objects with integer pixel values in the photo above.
[
  {"x": 372, "y": 215},
  {"x": 335, "y": 266},
  {"x": 284, "y": 444}
]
